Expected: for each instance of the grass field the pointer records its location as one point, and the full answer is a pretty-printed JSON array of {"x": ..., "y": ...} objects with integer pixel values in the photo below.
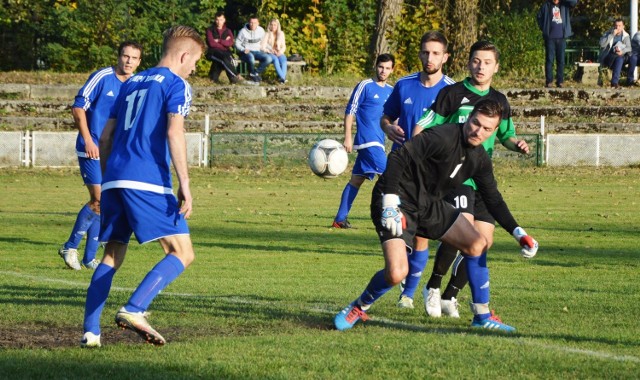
[{"x": 258, "y": 302}]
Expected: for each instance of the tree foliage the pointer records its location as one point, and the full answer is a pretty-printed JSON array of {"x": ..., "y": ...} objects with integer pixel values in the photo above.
[{"x": 332, "y": 35}]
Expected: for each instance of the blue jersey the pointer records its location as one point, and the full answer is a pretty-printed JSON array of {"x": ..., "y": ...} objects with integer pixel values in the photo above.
[
  {"x": 140, "y": 156},
  {"x": 97, "y": 97},
  {"x": 410, "y": 99},
  {"x": 366, "y": 102}
]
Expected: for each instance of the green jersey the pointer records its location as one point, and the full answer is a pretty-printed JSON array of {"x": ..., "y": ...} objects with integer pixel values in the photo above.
[{"x": 454, "y": 104}]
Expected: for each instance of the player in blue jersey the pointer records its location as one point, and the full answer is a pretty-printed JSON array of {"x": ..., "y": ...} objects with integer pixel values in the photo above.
[
  {"x": 408, "y": 198},
  {"x": 91, "y": 110},
  {"x": 144, "y": 135},
  {"x": 412, "y": 96},
  {"x": 365, "y": 106}
]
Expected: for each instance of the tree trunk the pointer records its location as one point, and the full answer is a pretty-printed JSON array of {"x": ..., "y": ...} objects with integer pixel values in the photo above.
[
  {"x": 387, "y": 12},
  {"x": 462, "y": 32}
]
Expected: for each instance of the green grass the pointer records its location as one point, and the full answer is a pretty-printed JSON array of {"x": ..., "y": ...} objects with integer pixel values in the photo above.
[{"x": 269, "y": 275}]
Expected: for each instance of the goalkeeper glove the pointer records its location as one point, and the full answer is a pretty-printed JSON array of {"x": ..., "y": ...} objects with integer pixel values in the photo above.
[
  {"x": 528, "y": 244},
  {"x": 392, "y": 218}
]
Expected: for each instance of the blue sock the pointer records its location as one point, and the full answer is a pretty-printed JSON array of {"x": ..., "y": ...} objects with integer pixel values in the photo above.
[
  {"x": 97, "y": 294},
  {"x": 348, "y": 196},
  {"x": 91, "y": 247},
  {"x": 478, "y": 275},
  {"x": 167, "y": 270},
  {"x": 377, "y": 288},
  {"x": 417, "y": 263},
  {"x": 83, "y": 221}
]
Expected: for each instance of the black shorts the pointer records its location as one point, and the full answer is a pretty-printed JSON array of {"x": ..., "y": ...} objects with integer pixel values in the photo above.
[
  {"x": 465, "y": 199},
  {"x": 430, "y": 221}
]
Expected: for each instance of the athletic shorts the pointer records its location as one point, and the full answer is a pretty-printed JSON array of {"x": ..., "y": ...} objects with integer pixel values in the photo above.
[
  {"x": 430, "y": 221},
  {"x": 465, "y": 199},
  {"x": 149, "y": 215},
  {"x": 90, "y": 171},
  {"x": 370, "y": 162}
]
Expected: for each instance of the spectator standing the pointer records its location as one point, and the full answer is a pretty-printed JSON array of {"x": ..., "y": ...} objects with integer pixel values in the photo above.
[
  {"x": 554, "y": 20},
  {"x": 220, "y": 42},
  {"x": 248, "y": 44},
  {"x": 615, "y": 49},
  {"x": 274, "y": 44}
]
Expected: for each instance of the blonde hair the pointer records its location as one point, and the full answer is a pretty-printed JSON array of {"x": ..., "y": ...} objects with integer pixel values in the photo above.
[
  {"x": 179, "y": 32},
  {"x": 278, "y": 26}
]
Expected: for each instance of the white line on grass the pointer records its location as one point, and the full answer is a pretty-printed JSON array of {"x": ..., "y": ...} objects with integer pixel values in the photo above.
[{"x": 390, "y": 322}]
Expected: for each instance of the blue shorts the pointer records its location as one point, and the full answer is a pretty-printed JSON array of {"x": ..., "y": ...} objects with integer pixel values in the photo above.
[
  {"x": 149, "y": 215},
  {"x": 90, "y": 171},
  {"x": 370, "y": 162}
]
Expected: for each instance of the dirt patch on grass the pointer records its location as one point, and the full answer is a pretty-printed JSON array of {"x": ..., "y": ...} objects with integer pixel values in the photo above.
[{"x": 48, "y": 337}]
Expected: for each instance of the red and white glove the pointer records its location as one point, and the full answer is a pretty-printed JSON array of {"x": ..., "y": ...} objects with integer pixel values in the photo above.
[{"x": 528, "y": 244}]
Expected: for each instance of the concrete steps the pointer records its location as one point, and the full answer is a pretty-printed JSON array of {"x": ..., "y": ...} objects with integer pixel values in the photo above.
[{"x": 287, "y": 109}]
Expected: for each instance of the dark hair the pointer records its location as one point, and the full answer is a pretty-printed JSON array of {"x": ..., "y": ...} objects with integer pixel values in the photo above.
[
  {"x": 132, "y": 44},
  {"x": 484, "y": 46},
  {"x": 436, "y": 37},
  {"x": 386, "y": 58},
  {"x": 618, "y": 20},
  {"x": 253, "y": 16},
  {"x": 219, "y": 13},
  {"x": 488, "y": 107}
]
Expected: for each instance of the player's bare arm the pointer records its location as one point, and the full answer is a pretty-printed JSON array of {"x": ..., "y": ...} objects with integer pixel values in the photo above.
[
  {"x": 80, "y": 120},
  {"x": 178, "y": 152},
  {"x": 348, "y": 138},
  {"x": 106, "y": 143},
  {"x": 393, "y": 131},
  {"x": 516, "y": 145}
]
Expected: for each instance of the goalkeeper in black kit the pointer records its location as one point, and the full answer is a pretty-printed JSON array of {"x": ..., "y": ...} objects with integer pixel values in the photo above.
[{"x": 408, "y": 200}]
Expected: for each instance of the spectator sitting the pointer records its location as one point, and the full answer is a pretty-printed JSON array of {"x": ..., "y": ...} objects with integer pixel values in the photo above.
[
  {"x": 273, "y": 44},
  {"x": 633, "y": 58},
  {"x": 248, "y": 45},
  {"x": 219, "y": 42},
  {"x": 615, "y": 49}
]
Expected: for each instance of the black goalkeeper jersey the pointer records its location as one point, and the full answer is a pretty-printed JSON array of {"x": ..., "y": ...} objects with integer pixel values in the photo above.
[{"x": 437, "y": 161}]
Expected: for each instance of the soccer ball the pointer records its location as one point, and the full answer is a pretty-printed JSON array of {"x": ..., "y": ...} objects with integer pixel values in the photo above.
[{"x": 328, "y": 158}]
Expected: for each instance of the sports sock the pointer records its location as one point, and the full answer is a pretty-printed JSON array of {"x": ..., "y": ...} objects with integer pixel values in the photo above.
[
  {"x": 167, "y": 270},
  {"x": 348, "y": 195},
  {"x": 97, "y": 294},
  {"x": 92, "y": 244},
  {"x": 417, "y": 263},
  {"x": 478, "y": 274},
  {"x": 83, "y": 221},
  {"x": 458, "y": 279},
  {"x": 377, "y": 288},
  {"x": 444, "y": 257}
]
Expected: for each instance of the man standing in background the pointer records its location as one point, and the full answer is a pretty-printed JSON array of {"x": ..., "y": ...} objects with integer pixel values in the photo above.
[{"x": 554, "y": 21}]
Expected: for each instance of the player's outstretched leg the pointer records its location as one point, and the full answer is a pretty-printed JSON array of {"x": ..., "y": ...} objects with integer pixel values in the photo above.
[
  {"x": 348, "y": 316},
  {"x": 133, "y": 315},
  {"x": 478, "y": 274},
  {"x": 356, "y": 310}
]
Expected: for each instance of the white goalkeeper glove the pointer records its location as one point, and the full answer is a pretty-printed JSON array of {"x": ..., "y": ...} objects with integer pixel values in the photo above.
[
  {"x": 392, "y": 218},
  {"x": 528, "y": 244}
]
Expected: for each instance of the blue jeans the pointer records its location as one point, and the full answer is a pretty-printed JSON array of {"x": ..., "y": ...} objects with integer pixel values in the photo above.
[
  {"x": 554, "y": 49},
  {"x": 253, "y": 56},
  {"x": 280, "y": 64},
  {"x": 615, "y": 63}
]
